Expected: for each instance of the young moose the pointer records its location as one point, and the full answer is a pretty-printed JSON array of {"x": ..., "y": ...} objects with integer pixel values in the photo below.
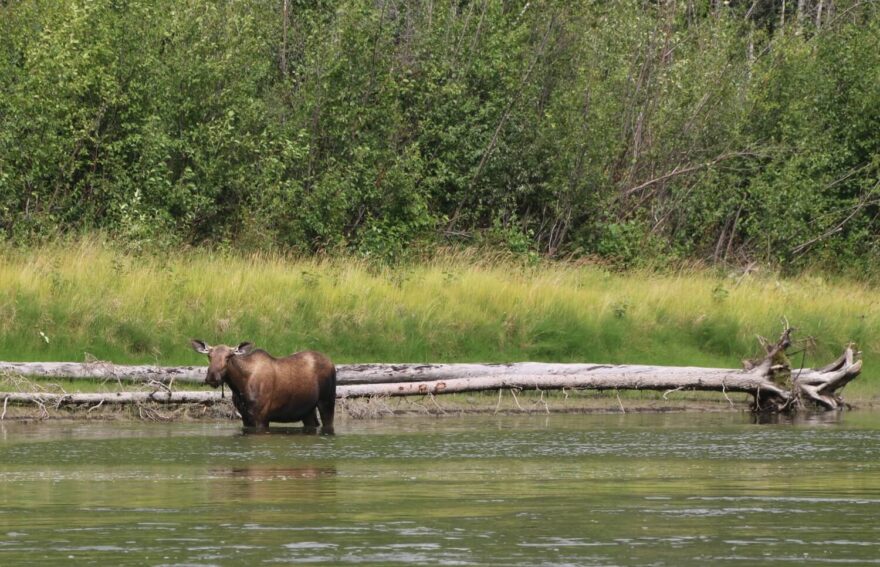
[{"x": 265, "y": 388}]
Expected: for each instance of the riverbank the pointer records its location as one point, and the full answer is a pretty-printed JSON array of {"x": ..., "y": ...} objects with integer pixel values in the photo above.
[
  {"x": 450, "y": 405},
  {"x": 439, "y": 407},
  {"x": 89, "y": 302}
]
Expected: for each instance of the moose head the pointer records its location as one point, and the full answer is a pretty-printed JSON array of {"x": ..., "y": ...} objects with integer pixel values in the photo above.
[{"x": 219, "y": 357}]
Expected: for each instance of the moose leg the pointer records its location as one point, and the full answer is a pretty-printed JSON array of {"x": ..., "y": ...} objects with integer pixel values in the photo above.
[
  {"x": 327, "y": 408},
  {"x": 255, "y": 423},
  {"x": 310, "y": 421},
  {"x": 243, "y": 410},
  {"x": 259, "y": 423}
]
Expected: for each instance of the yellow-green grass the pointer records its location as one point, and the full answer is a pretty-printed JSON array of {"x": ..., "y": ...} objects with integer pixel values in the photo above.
[{"x": 74, "y": 301}]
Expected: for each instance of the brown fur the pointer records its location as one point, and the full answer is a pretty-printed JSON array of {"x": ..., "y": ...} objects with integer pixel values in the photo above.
[{"x": 264, "y": 388}]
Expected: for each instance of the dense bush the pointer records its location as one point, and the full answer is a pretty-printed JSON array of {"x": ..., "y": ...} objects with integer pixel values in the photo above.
[{"x": 637, "y": 131}]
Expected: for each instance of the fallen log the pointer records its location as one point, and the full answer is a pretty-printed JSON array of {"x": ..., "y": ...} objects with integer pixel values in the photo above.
[
  {"x": 393, "y": 373},
  {"x": 106, "y": 371},
  {"x": 613, "y": 378},
  {"x": 624, "y": 377},
  {"x": 346, "y": 373},
  {"x": 770, "y": 380},
  {"x": 820, "y": 386}
]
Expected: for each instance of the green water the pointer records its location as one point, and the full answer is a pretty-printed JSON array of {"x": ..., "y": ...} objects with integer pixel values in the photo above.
[{"x": 541, "y": 490}]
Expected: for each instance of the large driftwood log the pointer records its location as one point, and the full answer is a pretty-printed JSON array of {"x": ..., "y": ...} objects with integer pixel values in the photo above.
[
  {"x": 346, "y": 373},
  {"x": 596, "y": 377},
  {"x": 820, "y": 386},
  {"x": 106, "y": 371}
]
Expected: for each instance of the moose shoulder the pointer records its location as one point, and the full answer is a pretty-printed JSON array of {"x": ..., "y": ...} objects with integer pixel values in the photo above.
[{"x": 265, "y": 389}]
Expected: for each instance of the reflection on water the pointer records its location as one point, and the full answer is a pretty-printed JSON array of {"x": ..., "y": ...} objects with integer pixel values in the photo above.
[
  {"x": 276, "y": 473},
  {"x": 551, "y": 490},
  {"x": 801, "y": 418}
]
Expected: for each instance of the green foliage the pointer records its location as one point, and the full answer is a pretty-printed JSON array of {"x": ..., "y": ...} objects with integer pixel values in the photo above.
[{"x": 634, "y": 131}]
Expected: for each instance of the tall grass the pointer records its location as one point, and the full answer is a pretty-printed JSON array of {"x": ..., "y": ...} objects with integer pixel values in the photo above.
[{"x": 84, "y": 300}]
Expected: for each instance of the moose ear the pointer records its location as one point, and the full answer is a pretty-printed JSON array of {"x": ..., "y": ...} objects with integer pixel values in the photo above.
[
  {"x": 200, "y": 346},
  {"x": 243, "y": 348}
]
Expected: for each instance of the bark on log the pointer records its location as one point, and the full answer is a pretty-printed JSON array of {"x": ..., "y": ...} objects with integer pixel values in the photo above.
[
  {"x": 392, "y": 373},
  {"x": 823, "y": 386},
  {"x": 346, "y": 373},
  {"x": 819, "y": 385},
  {"x": 624, "y": 377},
  {"x": 106, "y": 371},
  {"x": 771, "y": 381}
]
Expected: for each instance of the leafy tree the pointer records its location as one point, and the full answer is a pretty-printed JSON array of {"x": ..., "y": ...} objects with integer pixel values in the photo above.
[{"x": 637, "y": 131}]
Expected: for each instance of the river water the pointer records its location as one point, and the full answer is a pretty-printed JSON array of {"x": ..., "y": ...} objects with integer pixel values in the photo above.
[{"x": 634, "y": 489}]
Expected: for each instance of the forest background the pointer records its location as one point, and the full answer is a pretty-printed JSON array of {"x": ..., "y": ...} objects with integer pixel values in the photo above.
[
  {"x": 634, "y": 131},
  {"x": 318, "y": 174}
]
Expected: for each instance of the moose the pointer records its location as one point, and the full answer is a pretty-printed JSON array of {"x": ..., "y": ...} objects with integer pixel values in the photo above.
[{"x": 265, "y": 388}]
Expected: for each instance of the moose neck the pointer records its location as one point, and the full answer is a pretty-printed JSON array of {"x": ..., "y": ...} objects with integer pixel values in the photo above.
[{"x": 236, "y": 375}]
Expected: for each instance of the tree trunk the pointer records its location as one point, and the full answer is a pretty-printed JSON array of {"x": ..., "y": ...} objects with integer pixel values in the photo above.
[
  {"x": 106, "y": 371},
  {"x": 347, "y": 373},
  {"x": 820, "y": 386},
  {"x": 285, "y": 19},
  {"x": 772, "y": 383}
]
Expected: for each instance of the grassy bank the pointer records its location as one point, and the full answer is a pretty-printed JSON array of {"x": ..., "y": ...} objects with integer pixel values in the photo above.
[{"x": 80, "y": 301}]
